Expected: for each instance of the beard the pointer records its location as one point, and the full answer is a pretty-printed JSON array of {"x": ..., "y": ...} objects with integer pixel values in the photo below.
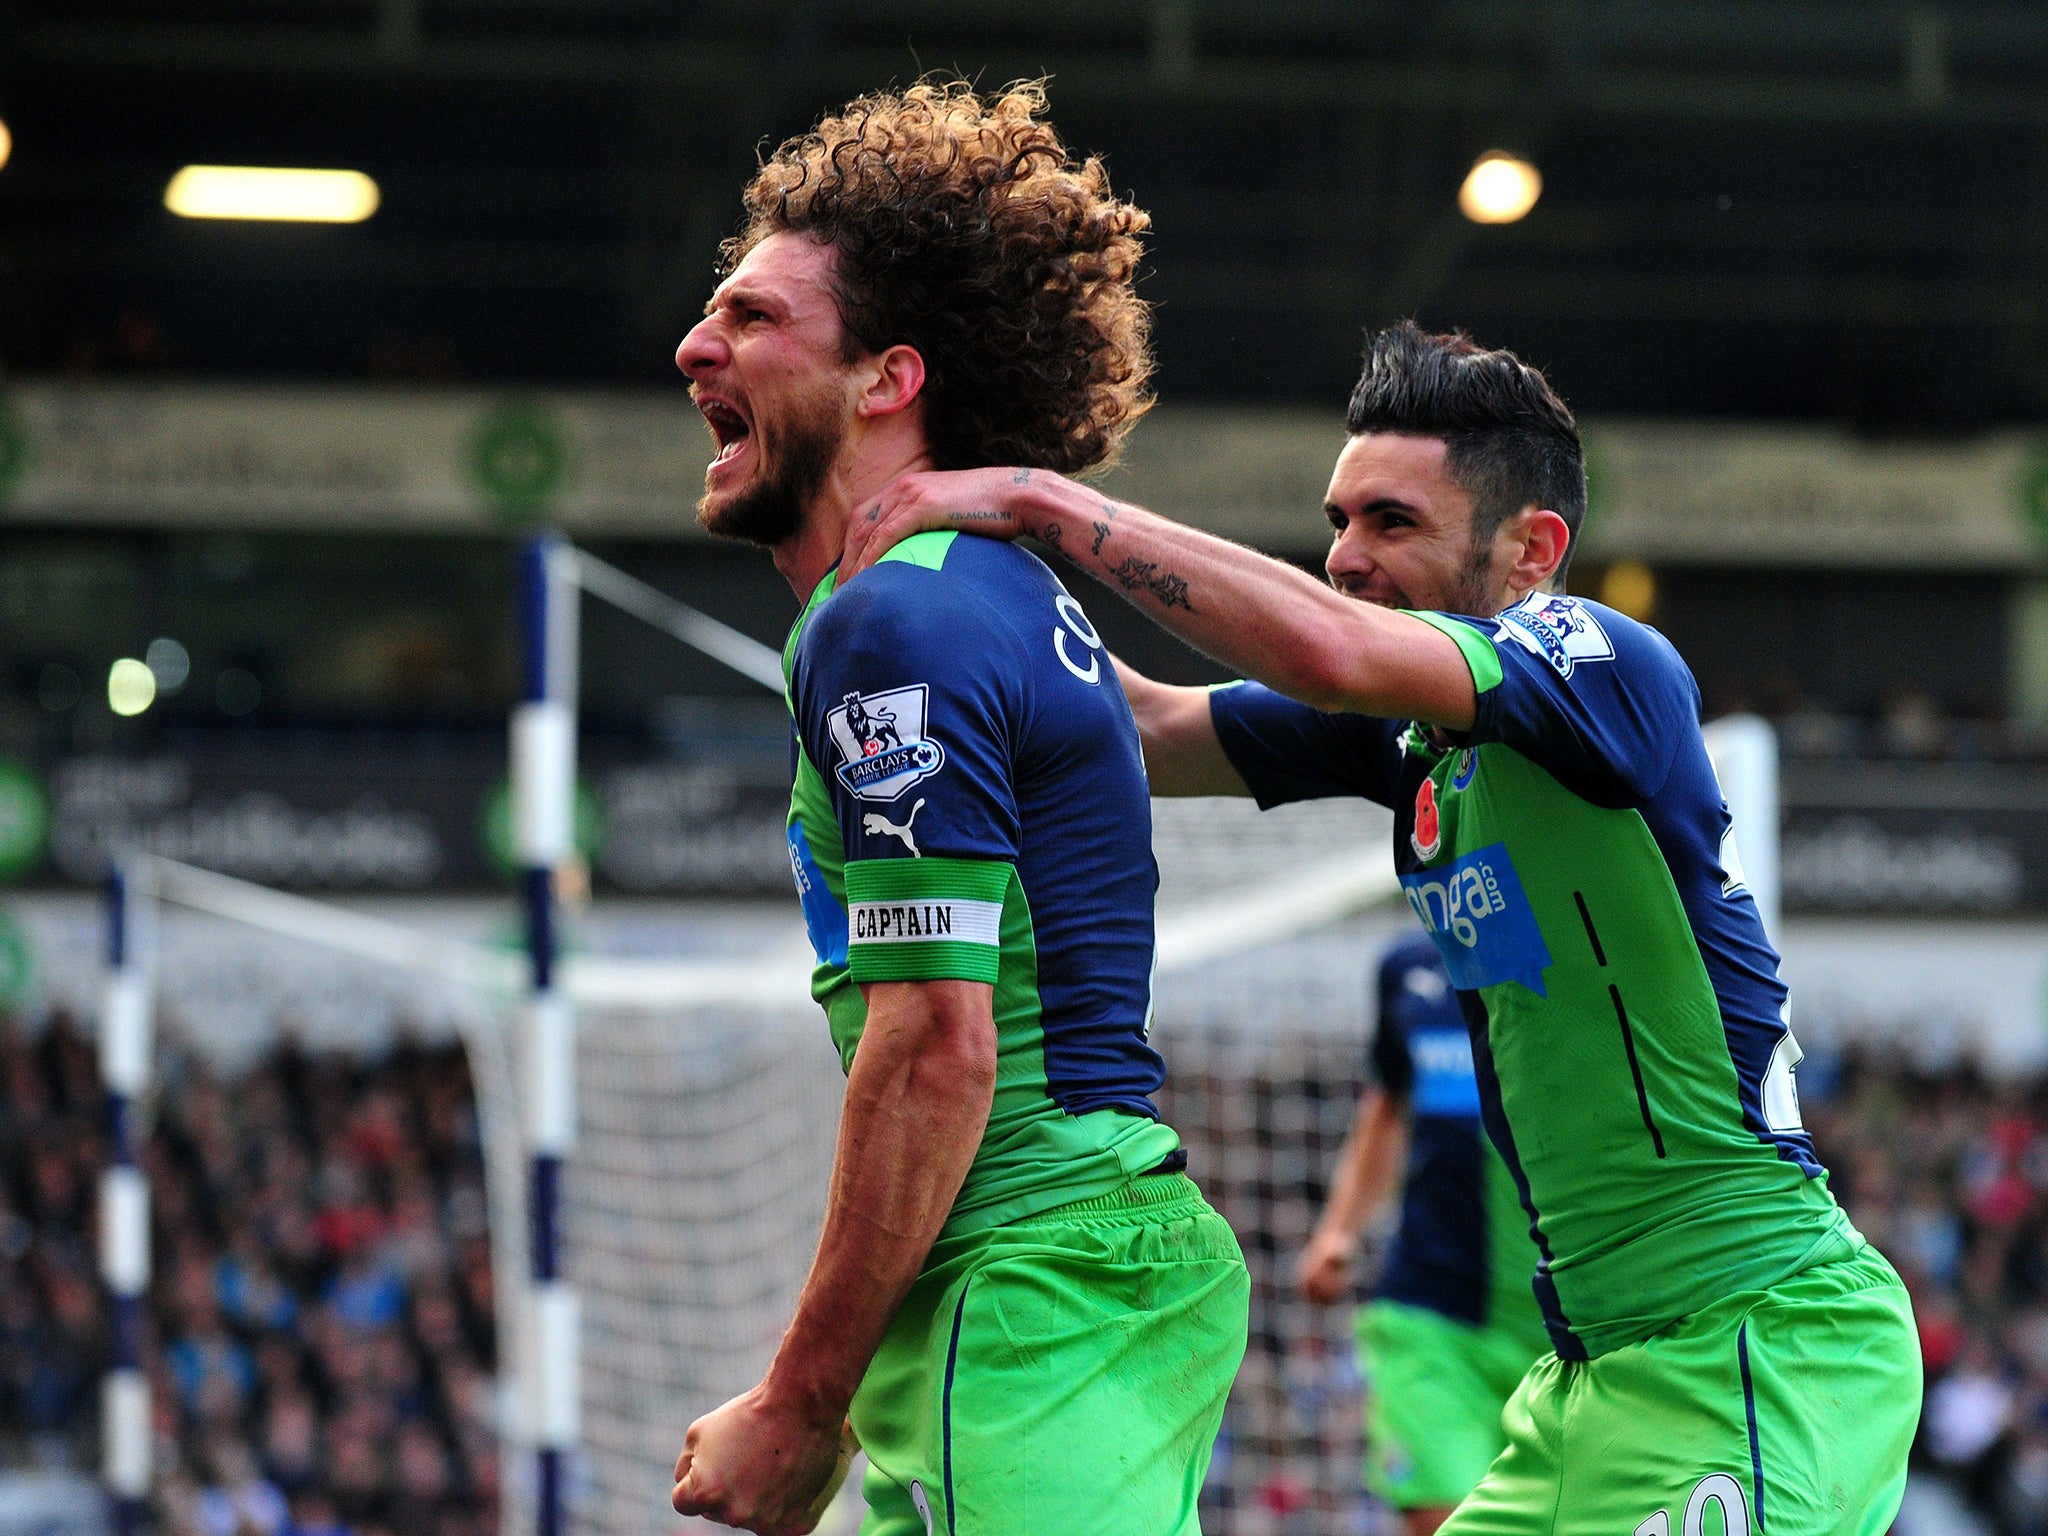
[
  {"x": 791, "y": 469},
  {"x": 1476, "y": 590}
]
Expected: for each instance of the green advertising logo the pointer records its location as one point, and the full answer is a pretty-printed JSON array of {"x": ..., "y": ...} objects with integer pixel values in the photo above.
[
  {"x": 13, "y": 448},
  {"x": 518, "y": 459},
  {"x": 497, "y": 827},
  {"x": 24, "y": 819},
  {"x": 2033, "y": 493},
  {"x": 17, "y": 963}
]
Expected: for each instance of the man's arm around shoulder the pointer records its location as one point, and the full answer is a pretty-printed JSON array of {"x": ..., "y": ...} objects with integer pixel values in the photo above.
[
  {"x": 1261, "y": 617},
  {"x": 917, "y": 1104}
]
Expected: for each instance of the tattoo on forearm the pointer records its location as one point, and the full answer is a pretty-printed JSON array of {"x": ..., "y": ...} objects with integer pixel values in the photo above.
[
  {"x": 1169, "y": 587},
  {"x": 977, "y": 517},
  {"x": 1109, "y": 511},
  {"x": 1172, "y": 591},
  {"x": 1101, "y": 533},
  {"x": 1053, "y": 534},
  {"x": 1020, "y": 477}
]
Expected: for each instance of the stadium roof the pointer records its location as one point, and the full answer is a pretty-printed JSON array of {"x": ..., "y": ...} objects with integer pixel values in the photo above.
[{"x": 1833, "y": 209}]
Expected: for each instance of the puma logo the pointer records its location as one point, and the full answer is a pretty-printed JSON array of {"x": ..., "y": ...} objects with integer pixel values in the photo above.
[
  {"x": 875, "y": 824},
  {"x": 918, "y": 1500}
]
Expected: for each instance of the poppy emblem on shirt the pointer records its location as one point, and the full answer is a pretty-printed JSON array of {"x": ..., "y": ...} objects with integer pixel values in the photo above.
[{"x": 1426, "y": 836}]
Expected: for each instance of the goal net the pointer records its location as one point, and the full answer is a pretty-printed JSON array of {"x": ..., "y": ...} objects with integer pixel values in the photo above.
[
  {"x": 706, "y": 1136},
  {"x": 708, "y": 1098}
]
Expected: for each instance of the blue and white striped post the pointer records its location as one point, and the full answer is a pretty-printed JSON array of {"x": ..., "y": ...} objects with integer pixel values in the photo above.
[
  {"x": 543, "y": 835},
  {"x": 124, "y": 1203}
]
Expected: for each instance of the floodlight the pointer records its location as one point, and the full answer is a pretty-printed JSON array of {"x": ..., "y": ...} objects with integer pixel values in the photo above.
[
  {"x": 1499, "y": 189},
  {"x": 268, "y": 192},
  {"x": 1630, "y": 587},
  {"x": 131, "y": 686}
]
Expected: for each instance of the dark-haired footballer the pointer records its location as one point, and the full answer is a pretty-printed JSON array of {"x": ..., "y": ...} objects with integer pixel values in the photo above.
[
  {"x": 1021, "y": 1307},
  {"x": 1724, "y": 1340},
  {"x": 1451, "y": 1327}
]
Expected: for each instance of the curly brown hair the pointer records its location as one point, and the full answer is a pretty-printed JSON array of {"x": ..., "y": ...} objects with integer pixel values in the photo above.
[{"x": 966, "y": 229}]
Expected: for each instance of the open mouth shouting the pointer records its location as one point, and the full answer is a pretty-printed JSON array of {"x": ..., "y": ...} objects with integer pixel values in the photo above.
[{"x": 730, "y": 427}]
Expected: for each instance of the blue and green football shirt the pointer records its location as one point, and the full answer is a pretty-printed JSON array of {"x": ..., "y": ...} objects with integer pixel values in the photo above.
[
  {"x": 1571, "y": 856},
  {"x": 1462, "y": 1248},
  {"x": 969, "y": 803}
]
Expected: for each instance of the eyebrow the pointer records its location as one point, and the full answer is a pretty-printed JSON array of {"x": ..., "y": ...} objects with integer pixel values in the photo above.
[
  {"x": 1377, "y": 504},
  {"x": 747, "y": 297}
]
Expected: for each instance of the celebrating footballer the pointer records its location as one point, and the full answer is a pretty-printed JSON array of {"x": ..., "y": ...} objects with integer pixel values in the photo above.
[
  {"x": 1721, "y": 1336},
  {"x": 1021, "y": 1307}
]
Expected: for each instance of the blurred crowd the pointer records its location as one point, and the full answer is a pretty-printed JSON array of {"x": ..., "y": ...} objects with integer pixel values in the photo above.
[
  {"x": 321, "y": 1341},
  {"x": 1948, "y": 1174},
  {"x": 321, "y": 1345}
]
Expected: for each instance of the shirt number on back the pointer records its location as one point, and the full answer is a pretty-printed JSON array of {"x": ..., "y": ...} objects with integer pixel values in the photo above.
[{"x": 1074, "y": 623}]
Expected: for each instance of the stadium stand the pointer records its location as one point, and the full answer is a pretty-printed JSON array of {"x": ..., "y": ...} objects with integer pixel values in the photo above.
[{"x": 323, "y": 1350}]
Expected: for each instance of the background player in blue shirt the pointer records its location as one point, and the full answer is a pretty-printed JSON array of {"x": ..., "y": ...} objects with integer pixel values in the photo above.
[
  {"x": 1453, "y": 1323},
  {"x": 1021, "y": 1308}
]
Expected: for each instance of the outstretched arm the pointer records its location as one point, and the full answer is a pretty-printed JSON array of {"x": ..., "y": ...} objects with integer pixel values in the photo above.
[
  {"x": 917, "y": 1104},
  {"x": 1368, "y": 1171},
  {"x": 1257, "y": 615},
  {"x": 1182, "y": 753}
]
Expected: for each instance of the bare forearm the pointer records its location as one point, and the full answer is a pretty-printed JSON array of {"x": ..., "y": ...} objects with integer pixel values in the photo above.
[
  {"x": 1262, "y": 617},
  {"x": 917, "y": 1104},
  {"x": 1369, "y": 1168}
]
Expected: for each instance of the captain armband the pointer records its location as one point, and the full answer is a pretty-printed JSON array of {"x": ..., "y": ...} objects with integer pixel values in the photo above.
[{"x": 927, "y": 919}]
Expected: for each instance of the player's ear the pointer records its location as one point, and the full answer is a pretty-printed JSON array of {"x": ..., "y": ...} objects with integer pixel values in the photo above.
[
  {"x": 1541, "y": 540},
  {"x": 894, "y": 378}
]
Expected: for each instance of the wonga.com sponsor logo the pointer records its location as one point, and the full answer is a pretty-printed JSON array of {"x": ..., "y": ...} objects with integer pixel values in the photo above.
[{"x": 1476, "y": 911}]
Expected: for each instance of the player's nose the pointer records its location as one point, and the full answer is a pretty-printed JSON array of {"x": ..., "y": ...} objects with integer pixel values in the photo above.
[
  {"x": 1348, "y": 559},
  {"x": 703, "y": 350}
]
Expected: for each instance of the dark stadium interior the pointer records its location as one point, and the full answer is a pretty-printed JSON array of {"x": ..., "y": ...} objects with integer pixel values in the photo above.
[{"x": 1822, "y": 212}]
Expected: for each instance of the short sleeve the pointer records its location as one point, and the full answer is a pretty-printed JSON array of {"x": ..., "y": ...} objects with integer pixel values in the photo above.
[
  {"x": 1392, "y": 1065},
  {"x": 1286, "y": 751},
  {"x": 903, "y": 693},
  {"x": 1595, "y": 698}
]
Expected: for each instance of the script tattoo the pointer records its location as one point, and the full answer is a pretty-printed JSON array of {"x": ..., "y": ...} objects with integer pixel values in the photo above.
[
  {"x": 1101, "y": 533},
  {"x": 977, "y": 517},
  {"x": 1170, "y": 588}
]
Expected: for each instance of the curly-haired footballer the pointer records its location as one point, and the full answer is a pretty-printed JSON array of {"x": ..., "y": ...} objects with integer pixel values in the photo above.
[{"x": 1020, "y": 1306}]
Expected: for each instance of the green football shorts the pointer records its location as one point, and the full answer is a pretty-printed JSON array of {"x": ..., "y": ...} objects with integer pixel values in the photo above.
[
  {"x": 1432, "y": 1422},
  {"x": 1787, "y": 1410},
  {"x": 1063, "y": 1375}
]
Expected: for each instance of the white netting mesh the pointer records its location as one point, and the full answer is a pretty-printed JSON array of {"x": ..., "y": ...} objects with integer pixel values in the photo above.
[
  {"x": 695, "y": 1198},
  {"x": 698, "y": 1183},
  {"x": 706, "y": 1132}
]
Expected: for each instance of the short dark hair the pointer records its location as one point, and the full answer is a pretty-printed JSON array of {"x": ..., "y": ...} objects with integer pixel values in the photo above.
[{"x": 1510, "y": 440}]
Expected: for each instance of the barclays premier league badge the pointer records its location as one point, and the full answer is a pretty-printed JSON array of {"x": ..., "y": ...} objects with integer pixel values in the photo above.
[
  {"x": 883, "y": 748},
  {"x": 1561, "y": 630},
  {"x": 1477, "y": 912}
]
